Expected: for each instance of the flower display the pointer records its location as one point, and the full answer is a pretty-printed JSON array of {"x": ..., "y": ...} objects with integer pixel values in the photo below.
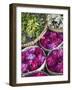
[
  {"x": 55, "y": 61},
  {"x": 51, "y": 40},
  {"x": 42, "y": 44},
  {"x": 32, "y": 59}
]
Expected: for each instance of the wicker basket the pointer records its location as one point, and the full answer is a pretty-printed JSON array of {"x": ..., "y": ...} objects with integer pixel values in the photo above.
[
  {"x": 49, "y": 71},
  {"x": 40, "y": 68}
]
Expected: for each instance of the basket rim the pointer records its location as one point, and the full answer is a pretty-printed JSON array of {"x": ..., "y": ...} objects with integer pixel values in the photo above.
[{"x": 55, "y": 30}]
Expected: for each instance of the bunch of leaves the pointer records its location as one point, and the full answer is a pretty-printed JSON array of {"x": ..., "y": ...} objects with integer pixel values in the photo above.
[{"x": 32, "y": 25}]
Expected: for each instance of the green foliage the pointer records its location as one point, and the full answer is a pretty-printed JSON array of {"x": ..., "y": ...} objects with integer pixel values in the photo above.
[{"x": 32, "y": 25}]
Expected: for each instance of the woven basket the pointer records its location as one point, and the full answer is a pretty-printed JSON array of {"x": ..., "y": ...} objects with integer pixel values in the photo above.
[
  {"x": 49, "y": 71},
  {"x": 40, "y": 68}
]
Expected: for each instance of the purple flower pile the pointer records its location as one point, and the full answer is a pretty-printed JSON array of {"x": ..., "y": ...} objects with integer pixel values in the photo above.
[
  {"x": 55, "y": 61},
  {"x": 49, "y": 56},
  {"x": 51, "y": 40},
  {"x": 32, "y": 59}
]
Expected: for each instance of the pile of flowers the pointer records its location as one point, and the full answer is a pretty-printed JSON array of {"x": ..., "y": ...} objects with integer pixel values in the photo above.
[
  {"x": 55, "y": 61},
  {"x": 32, "y": 59},
  {"x": 45, "y": 58},
  {"x": 51, "y": 40}
]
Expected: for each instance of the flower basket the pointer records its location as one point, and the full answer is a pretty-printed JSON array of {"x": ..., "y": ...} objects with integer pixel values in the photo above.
[
  {"x": 33, "y": 59},
  {"x": 54, "y": 64},
  {"x": 51, "y": 40}
]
